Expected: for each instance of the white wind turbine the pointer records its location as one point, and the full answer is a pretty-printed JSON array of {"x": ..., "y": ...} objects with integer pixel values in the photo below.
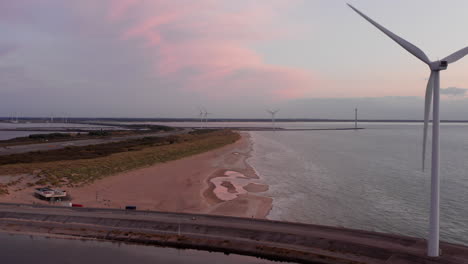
[
  {"x": 432, "y": 93},
  {"x": 273, "y": 113},
  {"x": 15, "y": 119},
  {"x": 205, "y": 115},
  {"x": 201, "y": 115}
]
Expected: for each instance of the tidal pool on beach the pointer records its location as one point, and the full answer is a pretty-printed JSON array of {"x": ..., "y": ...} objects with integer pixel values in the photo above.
[{"x": 232, "y": 184}]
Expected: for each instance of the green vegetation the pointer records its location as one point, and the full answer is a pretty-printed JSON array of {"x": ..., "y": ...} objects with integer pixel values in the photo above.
[
  {"x": 50, "y": 136},
  {"x": 74, "y": 166},
  {"x": 58, "y": 137},
  {"x": 150, "y": 128},
  {"x": 3, "y": 189},
  {"x": 87, "y": 152},
  {"x": 200, "y": 131},
  {"x": 99, "y": 133}
]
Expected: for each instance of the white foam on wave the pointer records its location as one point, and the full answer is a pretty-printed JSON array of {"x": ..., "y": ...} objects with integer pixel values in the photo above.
[{"x": 287, "y": 174}]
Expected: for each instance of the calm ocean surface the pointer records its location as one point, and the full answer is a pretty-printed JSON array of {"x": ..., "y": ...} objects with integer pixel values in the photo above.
[{"x": 368, "y": 179}]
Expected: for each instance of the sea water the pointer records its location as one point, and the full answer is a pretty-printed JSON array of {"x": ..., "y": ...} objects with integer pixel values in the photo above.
[{"x": 367, "y": 179}]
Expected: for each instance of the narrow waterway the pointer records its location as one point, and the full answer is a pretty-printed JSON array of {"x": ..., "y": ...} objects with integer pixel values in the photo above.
[{"x": 19, "y": 248}]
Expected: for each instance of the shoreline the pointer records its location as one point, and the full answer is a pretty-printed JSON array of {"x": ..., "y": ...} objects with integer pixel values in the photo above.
[
  {"x": 183, "y": 185},
  {"x": 259, "y": 205}
]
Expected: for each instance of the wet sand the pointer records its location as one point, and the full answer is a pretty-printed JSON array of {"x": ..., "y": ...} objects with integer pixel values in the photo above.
[{"x": 183, "y": 185}]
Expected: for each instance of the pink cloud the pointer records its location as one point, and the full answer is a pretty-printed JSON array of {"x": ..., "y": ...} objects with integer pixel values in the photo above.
[
  {"x": 202, "y": 45},
  {"x": 213, "y": 41},
  {"x": 149, "y": 28}
]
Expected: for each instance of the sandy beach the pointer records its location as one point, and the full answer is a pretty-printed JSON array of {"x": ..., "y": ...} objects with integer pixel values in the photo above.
[{"x": 215, "y": 182}]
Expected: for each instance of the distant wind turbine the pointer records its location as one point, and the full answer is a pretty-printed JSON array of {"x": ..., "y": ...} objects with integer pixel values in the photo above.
[
  {"x": 355, "y": 118},
  {"x": 15, "y": 118},
  {"x": 201, "y": 115},
  {"x": 432, "y": 93},
  {"x": 273, "y": 113},
  {"x": 205, "y": 114}
]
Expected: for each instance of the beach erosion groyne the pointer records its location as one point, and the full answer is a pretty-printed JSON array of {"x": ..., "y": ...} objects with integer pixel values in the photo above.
[{"x": 275, "y": 240}]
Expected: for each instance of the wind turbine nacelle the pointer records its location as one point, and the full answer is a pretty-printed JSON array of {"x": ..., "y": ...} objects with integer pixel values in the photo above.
[
  {"x": 443, "y": 65},
  {"x": 439, "y": 65}
]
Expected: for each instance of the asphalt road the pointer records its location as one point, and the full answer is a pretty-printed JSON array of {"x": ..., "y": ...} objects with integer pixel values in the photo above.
[
  {"x": 85, "y": 142},
  {"x": 282, "y": 240}
]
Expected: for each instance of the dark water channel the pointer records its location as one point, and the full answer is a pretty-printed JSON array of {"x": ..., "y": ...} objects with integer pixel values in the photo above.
[{"x": 15, "y": 248}]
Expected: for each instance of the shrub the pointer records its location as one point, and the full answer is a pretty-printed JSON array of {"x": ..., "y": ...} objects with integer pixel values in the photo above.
[
  {"x": 99, "y": 133},
  {"x": 50, "y": 136}
]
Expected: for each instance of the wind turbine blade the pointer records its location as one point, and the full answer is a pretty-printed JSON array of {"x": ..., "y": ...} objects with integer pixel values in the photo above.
[
  {"x": 427, "y": 110},
  {"x": 403, "y": 43},
  {"x": 456, "y": 55}
]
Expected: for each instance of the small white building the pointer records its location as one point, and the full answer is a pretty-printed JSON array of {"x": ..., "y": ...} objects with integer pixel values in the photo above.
[{"x": 50, "y": 194}]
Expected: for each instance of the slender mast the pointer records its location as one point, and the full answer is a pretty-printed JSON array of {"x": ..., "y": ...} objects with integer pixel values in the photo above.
[
  {"x": 355, "y": 118},
  {"x": 201, "y": 120},
  {"x": 433, "y": 244},
  {"x": 273, "y": 120}
]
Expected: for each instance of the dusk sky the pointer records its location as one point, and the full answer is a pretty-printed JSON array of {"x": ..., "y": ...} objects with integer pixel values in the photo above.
[{"x": 165, "y": 58}]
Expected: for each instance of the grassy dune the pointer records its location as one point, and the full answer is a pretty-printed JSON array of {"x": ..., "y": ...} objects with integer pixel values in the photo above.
[
  {"x": 60, "y": 137},
  {"x": 82, "y": 165}
]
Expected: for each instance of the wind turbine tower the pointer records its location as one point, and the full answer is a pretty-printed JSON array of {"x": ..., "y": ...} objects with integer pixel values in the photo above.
[
  {"x": 14, "y": 118},
  {"x": 273, "y": 113},
  {"x": 65, "y": 118},
  {"x": 432, "y": 94},
  {"x": 355, "y": 118},
  {"x": 205, "y": 114},
  {"x": 201, "y": 114}
]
